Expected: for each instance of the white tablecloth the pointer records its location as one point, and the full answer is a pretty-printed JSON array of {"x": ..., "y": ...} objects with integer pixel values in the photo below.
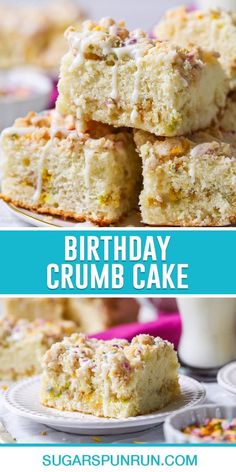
[{"x": 25, "y": 431}]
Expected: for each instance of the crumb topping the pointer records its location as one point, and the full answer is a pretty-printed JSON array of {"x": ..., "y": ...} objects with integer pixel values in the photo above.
[
  {"x": 107, "y": 38},
  {"x": 119, "y": 355},
  {"x": 51, "y": 124},
  {"x": 182, "y": 14},
  {"x": 209, "y": 142}
]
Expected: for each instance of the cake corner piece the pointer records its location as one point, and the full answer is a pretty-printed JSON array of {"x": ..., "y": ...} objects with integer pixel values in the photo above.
[
  {"x": 188, "y": 181},
  {"x": 213, "y": 29},
  {"x": 113, "y": 379},
  {"x": 92, "y": 175}
]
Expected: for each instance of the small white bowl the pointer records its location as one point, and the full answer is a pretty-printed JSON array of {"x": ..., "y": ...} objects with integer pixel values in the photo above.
[
  {"x": 12, "y": 107},
  {"x": 177, "y": 421}
]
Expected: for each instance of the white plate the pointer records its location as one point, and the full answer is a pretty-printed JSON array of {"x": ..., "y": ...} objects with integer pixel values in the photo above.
[
  {"x": 226, "y": 377},
  {"x": 23, "y": 399},
  {"x": 36, "y": 219}
]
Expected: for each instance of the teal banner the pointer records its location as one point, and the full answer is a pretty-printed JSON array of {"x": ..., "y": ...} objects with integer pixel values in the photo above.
[{"x": 118, "y": 262}]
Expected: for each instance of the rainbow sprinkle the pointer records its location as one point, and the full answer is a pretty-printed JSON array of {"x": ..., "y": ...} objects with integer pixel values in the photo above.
[{"x": 213, "y": 430}]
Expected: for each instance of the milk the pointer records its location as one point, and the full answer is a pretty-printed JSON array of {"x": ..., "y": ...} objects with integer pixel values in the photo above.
[{"x": 208, "y": 331}]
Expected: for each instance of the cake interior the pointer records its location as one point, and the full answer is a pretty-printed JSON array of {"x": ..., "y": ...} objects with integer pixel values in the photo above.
[
  {"x": 112, "y": 378},
  {"x": 188, "y": 181}
]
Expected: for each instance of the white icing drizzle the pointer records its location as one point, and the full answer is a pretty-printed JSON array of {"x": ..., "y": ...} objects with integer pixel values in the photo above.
[
  {"x": 113, "y": 30},
  {"x": 192, "y": 164},
  {"x": 80, "y": 124},
  {"x": 135, "y": 95},
  {"x": 134, "y": 115},
  {"x": 80, "y": 42},
  {"x": 39, "y": 183},
  {"x": 55, "y": 128},
  {"x": 192, "y": 169},
  {"x": 88, "y": 155},
  {"x": 20, "y": 131},
  {"x": 106, "y": 387},
  {"x": 195, "y": 152},
  {"x": 114, "y": 92},
  {"x": 136, "y": 47}
]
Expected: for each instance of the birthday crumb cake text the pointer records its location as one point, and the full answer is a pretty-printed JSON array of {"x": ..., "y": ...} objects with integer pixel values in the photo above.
[{"x": 108, "y": 262}]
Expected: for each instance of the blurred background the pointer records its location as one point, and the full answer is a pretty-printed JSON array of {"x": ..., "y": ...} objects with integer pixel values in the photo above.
[
  {"x": 202, "y": 329},
  {"x": 136, "y": 13}
]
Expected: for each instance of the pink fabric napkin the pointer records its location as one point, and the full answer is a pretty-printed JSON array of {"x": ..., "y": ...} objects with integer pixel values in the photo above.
[
  {"x": 167, "y": 327},
  {"x": 54, "y": 95}
]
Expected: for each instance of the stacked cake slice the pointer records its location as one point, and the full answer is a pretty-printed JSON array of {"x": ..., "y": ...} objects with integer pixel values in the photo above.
[
  {"x": 188, "y": 181},
  {"x": 110, "y": 378},
  {"x": 77, "y": 162},
  {"x": 213, "y": 30},
  {"x": 126, "y": 79},
  {"x": 52, "y": 168}
]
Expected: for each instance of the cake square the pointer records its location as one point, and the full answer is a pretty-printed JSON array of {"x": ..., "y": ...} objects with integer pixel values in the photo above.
[
  {"x": 213, "y": 30},
  {"x": 98, "y": 314},
  {"x": 23, "y": 344},
  {"x": 50, "y": 167},
  {"x": 50, "y": 309},
  {"x": 188, "y": 181},
  {"x": 124, "y": 78},
  {"x": 114, "y": 379}
]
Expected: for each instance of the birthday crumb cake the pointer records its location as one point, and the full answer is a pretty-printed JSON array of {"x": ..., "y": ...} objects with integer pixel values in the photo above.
[
  {"x": 98, "y": 314},
  {"x": 213, "y": 30},
  {"x": 114, "y": 378},
  {"x": 188, "y": 181},
  {"x": 51, "y": 167},
  {"x": 23, "y": 344},
  {"x": 126, "y": 79}
]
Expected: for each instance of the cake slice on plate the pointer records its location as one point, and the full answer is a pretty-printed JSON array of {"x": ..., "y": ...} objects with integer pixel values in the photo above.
[
  {"x": 114, "y": 378},
  {"x": 126, "y": 79},
  {"x": 23, "y": 344},
  {"x": 188, "y": 181},
  {"x": 50, "y": 167}
]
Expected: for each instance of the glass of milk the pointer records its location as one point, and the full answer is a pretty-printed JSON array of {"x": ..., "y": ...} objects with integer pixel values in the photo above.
[
  {"x": 229, "y": 5},
  {"x": 208, "y": 338}
]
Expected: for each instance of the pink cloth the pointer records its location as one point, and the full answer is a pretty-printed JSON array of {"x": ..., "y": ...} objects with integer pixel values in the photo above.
[
  {"x": 54, "y": 95},
  {"x": 167, "y": 327}
]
